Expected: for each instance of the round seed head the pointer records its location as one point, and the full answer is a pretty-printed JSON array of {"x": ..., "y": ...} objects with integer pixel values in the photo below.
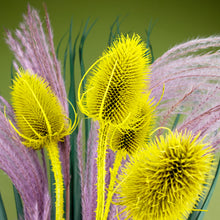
[{"x": 166, "y": 180}]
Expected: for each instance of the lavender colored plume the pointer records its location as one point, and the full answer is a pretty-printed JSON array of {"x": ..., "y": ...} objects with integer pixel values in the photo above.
[
  {"x": 23, "y": 167},
  {"x": 35, "y": 51},
  {"x": 191, "y": 75}
]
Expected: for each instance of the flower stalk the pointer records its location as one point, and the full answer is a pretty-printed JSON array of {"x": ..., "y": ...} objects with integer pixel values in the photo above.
[
  {"x": 53, "y": 153},
  {"x": 101, "y": 160},
  {"x": 41, "y": 122}
]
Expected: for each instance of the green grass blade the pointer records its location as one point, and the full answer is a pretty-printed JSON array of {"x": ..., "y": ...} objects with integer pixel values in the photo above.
[
  {"x": 12, "y": 73},
  {"x": 211, "y": 191},
  {"x": 75, "y": 190},
  {"x": 18, "y": 203},
  {"x": 52, "y": 193},
  {"x": 148, "y": 32},
  {"x": 175, "y": 121},
  {"x": 3, "y": 215},
  {"x": 59, "y": 44},
  {"x": 203, "y": 204},
  {"x": 85, "y": 33},
  {"x": 112, "y": 34},
  {"x": 64, "y": 63}
]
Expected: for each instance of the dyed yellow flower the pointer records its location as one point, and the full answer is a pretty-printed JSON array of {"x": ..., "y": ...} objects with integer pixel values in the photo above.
[
  {"x": 166, "y": 180},
  {"x": 41, "y": 122},
  {"x": 112, "y": 92},
  {"x": 115, "y": 85},
  {"x": 39, "y": 115}
]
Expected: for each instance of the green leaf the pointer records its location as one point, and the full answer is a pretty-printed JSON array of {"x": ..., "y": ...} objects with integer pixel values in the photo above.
[
  {"x": 112, "y": 33},
  {"x": 85, "y": 33},
  {"x": 59, "y": 44},
  {"x": 148, "y": 32},
  {"x": 176, "y": 121},
  {"x": 203, "y": 204},
  {"x": 18, "y": 203},
  {"x": 64, "y": 63},
  {"x": 75, "y": 191},
  {"x": 3, "y": 215},
  {"x": 12, "y": 73},
  {"x": 52, "y": 192}
]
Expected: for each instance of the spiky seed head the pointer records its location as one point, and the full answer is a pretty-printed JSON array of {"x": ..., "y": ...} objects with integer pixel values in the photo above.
[
  {"x": 39, "y": 115},
  {"x": 116, "y": 83},
  {"x": 167, "y": 179},
  {"x": 136, "y": 131}
]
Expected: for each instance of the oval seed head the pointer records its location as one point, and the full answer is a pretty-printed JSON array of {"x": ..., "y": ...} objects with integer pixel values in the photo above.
[
  {"x": 39, "y": 115},
  {"x": 116, "y": 83},
  {"x": 137, "y": 130},
  {"x": 166, "y": 180}
]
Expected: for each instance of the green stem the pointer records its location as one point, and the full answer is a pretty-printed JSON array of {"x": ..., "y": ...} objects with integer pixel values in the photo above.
[
  {"x": 53, "y": 153},
  {"x": 101, "y": 156},
  {"x": 111, "y": 191}
]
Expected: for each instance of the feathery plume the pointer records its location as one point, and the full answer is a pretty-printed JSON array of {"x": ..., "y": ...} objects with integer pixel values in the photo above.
[
  {"x": 34, "y": 51},
  {"x": 23, "y": 167},
  {"x": 191, "y": 74}
]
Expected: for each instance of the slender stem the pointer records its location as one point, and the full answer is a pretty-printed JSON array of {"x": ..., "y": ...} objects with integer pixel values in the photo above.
[
  {"x": 68, "y": 202},
  {"x": 101, "y": 156},
  {"x": 53, "y": 153},
  {"x": 111, "y": 191},
  {"x": 44, "y": 162}
]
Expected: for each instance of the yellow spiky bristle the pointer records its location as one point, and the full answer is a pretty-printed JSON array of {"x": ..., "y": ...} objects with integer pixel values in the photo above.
[
  {"x": 136, "y": 131},
  {"x": 117, "y": 81},
  {"x": 166, "y": 180},
  {"x": 39, "y": 115}
]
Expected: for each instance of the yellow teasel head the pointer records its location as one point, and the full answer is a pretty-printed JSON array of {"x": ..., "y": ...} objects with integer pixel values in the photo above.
[
  {"x": 39, "y": 115},
  {"x": 135, "y": 132},
  {"x": 167, "y": 179},
  {"x": 117, "y": 81}
]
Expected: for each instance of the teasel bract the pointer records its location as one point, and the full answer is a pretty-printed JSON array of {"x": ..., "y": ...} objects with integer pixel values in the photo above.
[
  {"x": 41, "y": 122},
  {"x": 114, "y": 87}
]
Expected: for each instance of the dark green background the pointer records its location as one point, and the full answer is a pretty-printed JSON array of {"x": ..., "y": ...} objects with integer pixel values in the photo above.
[{"x": 176, "y": 22}]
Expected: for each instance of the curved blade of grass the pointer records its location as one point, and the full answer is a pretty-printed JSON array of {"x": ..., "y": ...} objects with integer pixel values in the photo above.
[
  {"x": 85, "y": 33},
  {"x": 175, "y": 121},
  {"x": 18, "y": 203},
  {"x": 112, "y": 34},
  {"x": 52, "y": 193},
  {"x": 59, "y": 44},
  {"x": 12, "y": 73},
  {"x": 203, "y": 204},
  {"x": 75, "y": 191},
  {"x": 148, "y": 32},
  {"x": 3, "y": 215},
  {"x": 64, "y": 63}
]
